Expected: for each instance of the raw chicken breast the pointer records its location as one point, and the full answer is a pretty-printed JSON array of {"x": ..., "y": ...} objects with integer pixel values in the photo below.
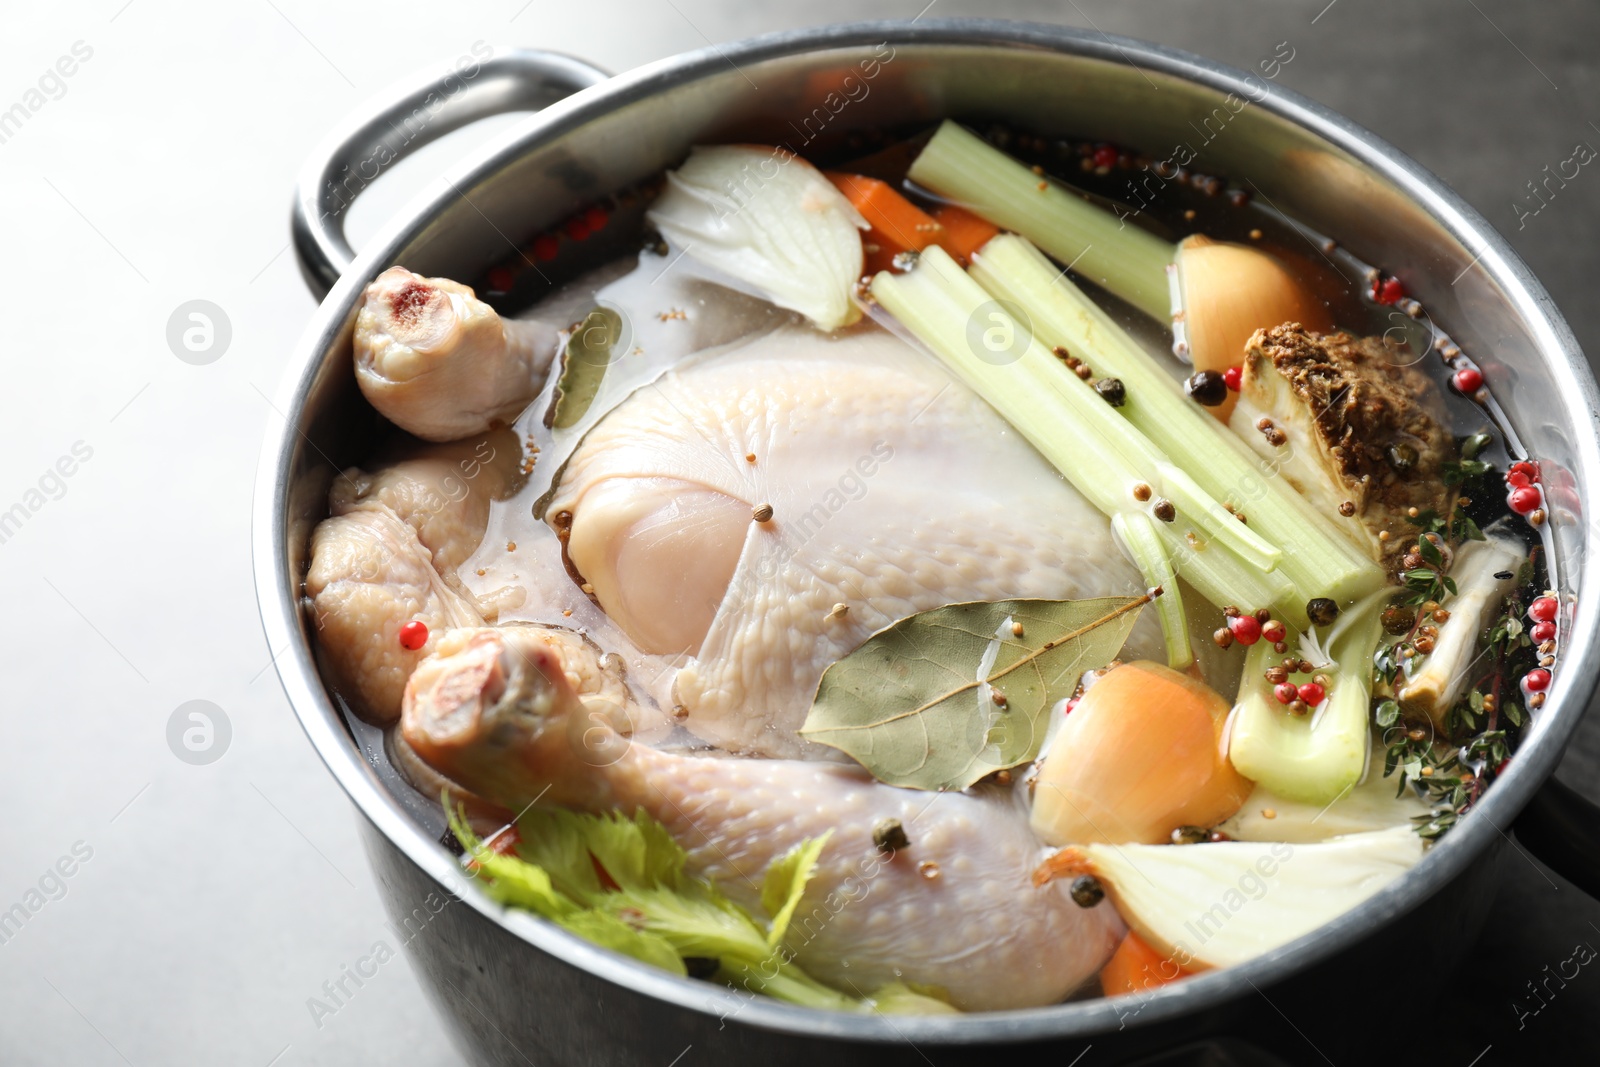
[
  {"x": 892, "y": 489},
  {"x": 956, "y": 909}
]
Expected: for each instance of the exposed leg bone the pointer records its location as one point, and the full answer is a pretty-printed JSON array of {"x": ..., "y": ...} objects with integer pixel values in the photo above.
[
  {"x": 494, "y": 710},
  {"x": 441, "y": 364}
]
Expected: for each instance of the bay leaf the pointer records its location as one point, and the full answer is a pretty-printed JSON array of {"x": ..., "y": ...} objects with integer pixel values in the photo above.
[
  {"x": 588, "y": 354},
  {"x": 913, "y": 703}
]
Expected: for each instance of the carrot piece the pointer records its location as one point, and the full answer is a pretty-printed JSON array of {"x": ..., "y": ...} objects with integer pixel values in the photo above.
[
  {"x": 962, "y": 233},
  {"x": 898, "y": 225},
  {"x": 1137, "y": 968}
]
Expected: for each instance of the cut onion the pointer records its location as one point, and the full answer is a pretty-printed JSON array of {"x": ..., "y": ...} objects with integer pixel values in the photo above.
[
  {"x": 1138, "y": 757},
  {"x": 1219, "y": 904},
  {"x": 766, "y": 219}
]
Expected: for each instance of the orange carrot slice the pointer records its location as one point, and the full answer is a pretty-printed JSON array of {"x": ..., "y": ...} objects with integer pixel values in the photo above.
[
  {"x": 1137, "y": 968},
  {"x": 961, "y": 232},
  {"x": 898, "y": 225}
]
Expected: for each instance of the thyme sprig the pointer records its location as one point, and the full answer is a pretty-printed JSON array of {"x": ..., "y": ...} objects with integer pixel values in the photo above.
[{"x": 1450, "y": 772}]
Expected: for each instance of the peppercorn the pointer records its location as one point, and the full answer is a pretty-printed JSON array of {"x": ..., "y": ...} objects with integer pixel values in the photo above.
[
  {"x": 1087, "y": 891},
  {"x": 1112, "y": 391},
  {"x": 1348, "y": 508},
  {"x": 1298, "y": 707},
  {"x": 1398, "y": 619},
  {"x": 1274, "y": 631},
  {"x": 1223, "y": 637},
  {"x": 889, "y": 837},
  {"x": 1402, "y": 457},
  {"x": 1164, "y": 510},
  {"x": 1206, "y": 387},
  {"x": 1277, "y": 675},
  {"x": 1246, "y": 630},
  {"x": 1321, "y": 611}
]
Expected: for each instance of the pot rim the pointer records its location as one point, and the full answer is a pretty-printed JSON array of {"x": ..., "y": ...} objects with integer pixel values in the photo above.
[{"x": 1576, "y": 398}]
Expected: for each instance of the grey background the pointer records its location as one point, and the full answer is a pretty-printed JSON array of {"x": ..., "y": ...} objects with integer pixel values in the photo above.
[{"x": 219, "y": 897}]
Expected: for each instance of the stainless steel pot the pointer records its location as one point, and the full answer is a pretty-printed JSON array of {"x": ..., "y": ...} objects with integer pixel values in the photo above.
[{"x": 518, "y": 990}]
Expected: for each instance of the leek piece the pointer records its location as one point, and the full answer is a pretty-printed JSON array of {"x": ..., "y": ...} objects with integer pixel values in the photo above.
[
  {"x": 1070, "y": 425},
  {"x": 1139, "y": 538},
  {"x": 1319, "y": 757},
  {"x": 1319, "y": 560},
  {"x": 1123, "y": 259}
]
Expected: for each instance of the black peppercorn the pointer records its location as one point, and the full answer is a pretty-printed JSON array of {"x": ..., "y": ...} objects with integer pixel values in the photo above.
[
  {"x": 1321, "y": 611},
  {"x": 1087, "y": 891},
  {"x": 1206, "y": 387},
  {"x": 890, "y": 837},
  {"x": 1111, "y": 391}
]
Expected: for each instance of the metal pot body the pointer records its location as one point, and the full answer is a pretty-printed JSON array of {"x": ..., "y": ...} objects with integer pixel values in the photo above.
[{"x": 518, "y": 990}]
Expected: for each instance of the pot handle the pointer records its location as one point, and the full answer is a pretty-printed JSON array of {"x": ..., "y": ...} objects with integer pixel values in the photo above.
[
  {"x": 1563, "y": 830},
  {"x": 401, "y": 120}
]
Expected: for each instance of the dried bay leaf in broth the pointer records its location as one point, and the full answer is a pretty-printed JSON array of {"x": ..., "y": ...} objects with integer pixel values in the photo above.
[{"x": 942, "y": 698}]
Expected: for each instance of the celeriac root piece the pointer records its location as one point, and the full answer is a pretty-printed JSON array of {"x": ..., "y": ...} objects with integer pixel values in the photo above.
[
  {"x": 954, "y": 907},
  {"x": 441, "y": 364},
  {"x": 387, "y": 555},
  {"x": 1352, "y": 425},
  {"x": 1433, "y": 688}
]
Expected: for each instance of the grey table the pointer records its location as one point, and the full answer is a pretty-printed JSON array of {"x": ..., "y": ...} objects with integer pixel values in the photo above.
[{"x": 150, "y": 164}]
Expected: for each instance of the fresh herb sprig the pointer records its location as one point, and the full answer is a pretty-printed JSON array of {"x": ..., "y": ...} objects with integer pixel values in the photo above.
[{"x": 1450, "y": 772}]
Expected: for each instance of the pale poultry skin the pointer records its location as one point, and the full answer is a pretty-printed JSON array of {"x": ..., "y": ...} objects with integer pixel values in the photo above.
[
  {"x": 440, "y": 363},
  {"x": 388, "y": 554},
  {"x": 892, "y": 489},
  {"x": 493, "y": 710}
]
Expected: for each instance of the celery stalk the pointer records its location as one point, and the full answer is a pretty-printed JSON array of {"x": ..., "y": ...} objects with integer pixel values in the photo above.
[
  {"x": 1144, "y": 459},
  {"x": 1123, "y": 259},
  {"x": 1138, "y": 534},
  {"x": 1319, "y": 757},
  {"x": 1075, "y": 430},
  {"x": 1319, "y": 561}
]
